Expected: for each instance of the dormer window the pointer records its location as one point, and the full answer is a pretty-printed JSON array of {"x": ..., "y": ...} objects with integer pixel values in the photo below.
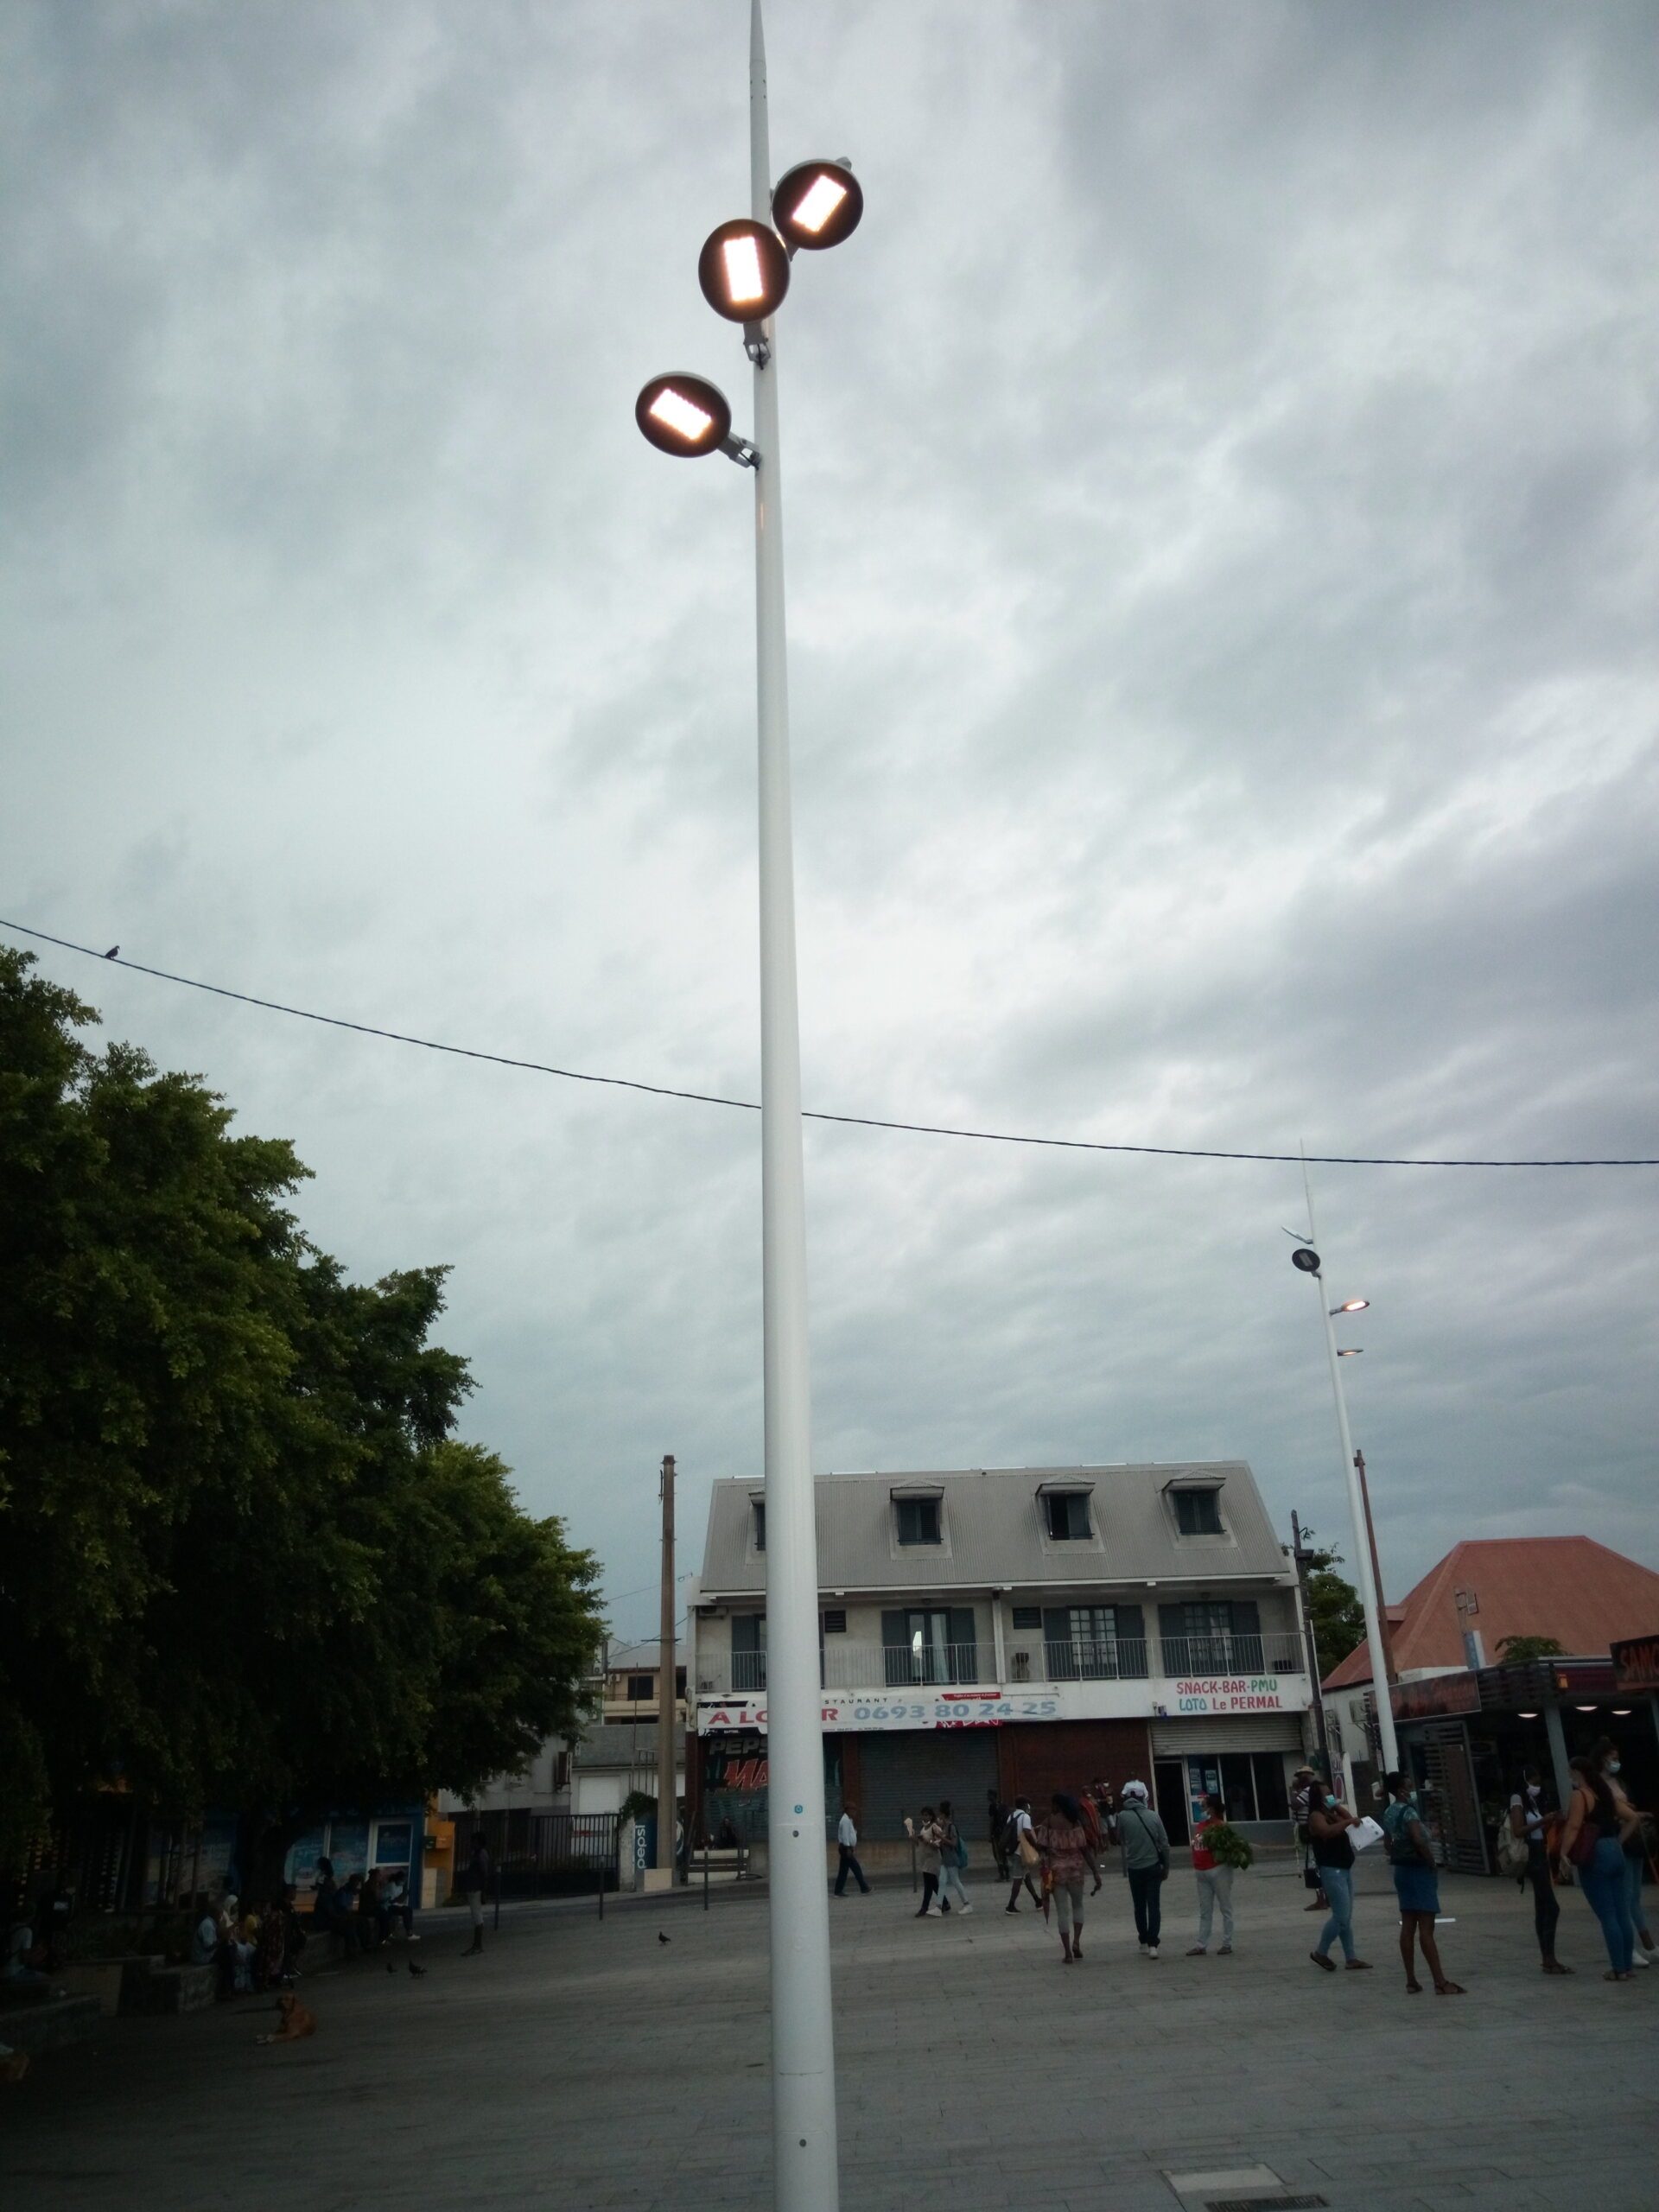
[
  {"x": 916, "y": 1520},
  {"x": 758, "y": 1507},
  {"x": 1067, "y": 1512},
  {"x": 1198, "y": 1512}
]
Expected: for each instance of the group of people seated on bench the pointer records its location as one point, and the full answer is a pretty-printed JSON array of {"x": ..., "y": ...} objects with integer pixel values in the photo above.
[
  {"x": 252, "y": 1951},
  {"x": 362, "y": 1912}
]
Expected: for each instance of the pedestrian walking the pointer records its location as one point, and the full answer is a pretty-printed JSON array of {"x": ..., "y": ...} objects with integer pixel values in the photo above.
[
  {"x": 1214, "y": 1883},
  {"x": 1067, "y": 1852},
  {"x": 1304, "y": 1785},
  {"x": 1593, "y": 1842},
  {"x": 929, "y": 1836},
  {"x": 1144, "y": 1842},
  {"x": 847, "y": 1845},
  {"x": 1530, "y": 1816},
  {"x": 996, "y": 1833},
  {"x": 475, "y": 1886},
  {"x": 1636, "y": 1850},
  {"x": 1023, "y": 1855},
  {"x": 1328, "y": 1823},
  {"x": 953, "y": 1857},
  {"x": 1105, "y": 1811},
  {"x": 1411, "y": 1858}
]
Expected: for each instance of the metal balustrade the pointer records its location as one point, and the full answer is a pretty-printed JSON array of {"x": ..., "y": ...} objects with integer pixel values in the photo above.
[{"x": 847, "y": 1665}]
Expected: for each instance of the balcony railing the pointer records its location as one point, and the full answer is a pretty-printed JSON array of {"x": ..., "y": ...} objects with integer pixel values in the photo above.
[
  {"x": 845, "y": 1665},
  {"x": 1274, "y": 1654}
]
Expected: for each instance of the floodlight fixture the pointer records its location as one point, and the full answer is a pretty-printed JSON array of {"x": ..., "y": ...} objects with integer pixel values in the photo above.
[
  {"x": 817, "y": 204},
  {"x": 1351, "y": 1351},
  {"x": 1352, "y": 1306},
  {"x": 743, "y": 270},
  {"x": 688, "y": 416},
  {"x": 1306, "y": 1259}
]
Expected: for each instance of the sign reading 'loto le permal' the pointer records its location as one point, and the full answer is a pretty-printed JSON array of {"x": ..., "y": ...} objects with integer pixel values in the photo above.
[{"x": 1636, "y": 1663}]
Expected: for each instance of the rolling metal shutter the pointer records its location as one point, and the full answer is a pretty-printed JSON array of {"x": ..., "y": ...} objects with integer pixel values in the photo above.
[
  {"x": 1227, "y": 1731},
  {"x": 904, "y": 1770}
]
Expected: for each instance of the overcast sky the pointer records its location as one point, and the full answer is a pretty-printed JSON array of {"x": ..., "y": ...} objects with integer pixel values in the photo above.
[{"x": 1221, "y": 482}]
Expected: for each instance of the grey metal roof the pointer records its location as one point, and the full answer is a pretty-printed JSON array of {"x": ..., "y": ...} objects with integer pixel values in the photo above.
[
  {"x": 994, "y": 1533},
  {"x": 617, "y": 1743}
]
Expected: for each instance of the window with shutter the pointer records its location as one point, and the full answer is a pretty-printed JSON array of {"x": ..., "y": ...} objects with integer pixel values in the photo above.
[
  {"x": 917, "y": 1519},
  {"x": 1198, "y": 1512},
  {"x": 1068, "y": 1516}
]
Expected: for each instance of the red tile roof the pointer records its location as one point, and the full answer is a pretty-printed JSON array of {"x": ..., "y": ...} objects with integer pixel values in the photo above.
[{"x": 1570, "y": 1587}]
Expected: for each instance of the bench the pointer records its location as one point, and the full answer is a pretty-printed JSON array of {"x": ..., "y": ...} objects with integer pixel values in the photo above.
[
  {"x": 726, "y": 1862},
  {"x": 48, "y": 2024},
  {"x": 146, "y": 1987}
]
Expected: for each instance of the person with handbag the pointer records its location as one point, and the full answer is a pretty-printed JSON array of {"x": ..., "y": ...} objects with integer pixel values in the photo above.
[
  {"x": 1592, "y": 1844},
  {"x": 1023, "y": 1856},
  {"x": 1527, "y": 1832},
  {"x": 1411, "y": 1858},
  {"x": 1305, "y": 1784},
  {"x": 929, "y": 1838},
  {"x": 1144, "y": 1842}
]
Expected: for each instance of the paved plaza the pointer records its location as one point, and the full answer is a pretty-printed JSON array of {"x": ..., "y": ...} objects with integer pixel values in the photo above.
[{"x": 580, "y": 2063}]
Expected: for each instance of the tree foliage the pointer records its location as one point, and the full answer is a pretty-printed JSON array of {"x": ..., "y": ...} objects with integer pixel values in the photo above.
[
  {"x": 244, "y": 1559},
  {"x": 1516, "y": 1650},
  {"x": 1335, "y": 1611}
]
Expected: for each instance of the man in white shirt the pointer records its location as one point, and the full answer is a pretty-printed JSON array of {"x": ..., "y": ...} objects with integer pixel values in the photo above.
[{"x": 846, "y": 1843}]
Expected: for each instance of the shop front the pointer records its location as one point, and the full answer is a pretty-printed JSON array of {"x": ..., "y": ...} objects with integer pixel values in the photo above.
[
  {"x": 354, "y": 1842},
  {"x": 1466, "y": 1736},
  {"x": 1245, "y": 1760}
]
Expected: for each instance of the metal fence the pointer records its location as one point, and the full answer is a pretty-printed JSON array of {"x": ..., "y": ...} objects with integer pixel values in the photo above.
[{"x": 550, "y": 1854}]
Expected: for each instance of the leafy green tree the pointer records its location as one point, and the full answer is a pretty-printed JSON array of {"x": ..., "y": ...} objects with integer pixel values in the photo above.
[
  {"x": 1516, "y": 1650},
  {"x": 244, "y": 1560},
  {"x": 1335, "y": 1611}
]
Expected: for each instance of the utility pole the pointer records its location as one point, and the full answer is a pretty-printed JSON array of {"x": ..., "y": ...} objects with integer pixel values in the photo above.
[
  {"x": 1301, "y": 1558},
  {"x": 1376, "y": 1577},
  {"x": 667, "y": 1680}
]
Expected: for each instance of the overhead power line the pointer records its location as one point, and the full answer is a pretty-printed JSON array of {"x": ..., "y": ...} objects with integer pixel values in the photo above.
[{"x": 751, "y": 1106}]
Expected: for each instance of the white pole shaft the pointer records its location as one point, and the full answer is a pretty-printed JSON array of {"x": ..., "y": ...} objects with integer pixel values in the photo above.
[
  {"x": 1357, "y": 1513},
  {"x": 805, "y": 2167}
]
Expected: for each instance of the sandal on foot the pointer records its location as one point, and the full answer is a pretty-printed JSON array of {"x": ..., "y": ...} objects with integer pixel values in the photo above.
[
  {"x": 1414, "y": 1989},
  {"x": 1319, "y": 1960},
  {"x": 1449, "y": 1989},
  {"x": 1359, "y": 1966}
]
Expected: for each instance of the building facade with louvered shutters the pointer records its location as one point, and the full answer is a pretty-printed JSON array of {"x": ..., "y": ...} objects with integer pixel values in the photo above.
[{"x": 992, "y": 1633}]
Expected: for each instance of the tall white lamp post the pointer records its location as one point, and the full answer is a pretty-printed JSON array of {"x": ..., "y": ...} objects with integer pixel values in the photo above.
[
  {"x": 744, "y": 271},
  {"x": 1307, "y": 1259}
]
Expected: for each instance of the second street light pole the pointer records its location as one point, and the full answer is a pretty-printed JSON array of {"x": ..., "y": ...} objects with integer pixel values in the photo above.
[
  {"x": 1356, "y": 1504},
  {"x": 667, "y": 1687},
  {"x": 805, "y": 2165}
]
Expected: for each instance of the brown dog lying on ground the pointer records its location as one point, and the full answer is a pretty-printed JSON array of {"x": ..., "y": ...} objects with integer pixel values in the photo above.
[{"x": 297, "y": 2022}]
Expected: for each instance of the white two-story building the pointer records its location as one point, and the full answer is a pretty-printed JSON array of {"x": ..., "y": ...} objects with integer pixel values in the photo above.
[{"x": 1012, "y": 1632}]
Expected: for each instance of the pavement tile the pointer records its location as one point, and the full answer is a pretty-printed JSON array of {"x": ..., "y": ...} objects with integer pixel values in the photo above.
[{"x": 584, "y": 2066}]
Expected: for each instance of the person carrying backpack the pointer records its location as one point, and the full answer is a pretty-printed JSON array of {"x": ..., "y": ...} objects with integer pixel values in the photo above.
[
  {"x": 1411, "y": 1856},
  {"x": 953, "y": 1857}
]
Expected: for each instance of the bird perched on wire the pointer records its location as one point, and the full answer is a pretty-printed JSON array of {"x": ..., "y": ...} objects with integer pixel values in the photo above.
[
  {"x": 111, "y": 954},
  {"x": 418, "y": 1971}
]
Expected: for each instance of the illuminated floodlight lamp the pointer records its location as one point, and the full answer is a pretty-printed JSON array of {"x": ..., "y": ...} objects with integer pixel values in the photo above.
[
  {"x": 817, "y": 204},
  {"x": 1352, "y": 1351},
  {"x": 743, "y": 270},
  {"x": 683, "y": 414},
  {"x": 1352, "y": 1306}
]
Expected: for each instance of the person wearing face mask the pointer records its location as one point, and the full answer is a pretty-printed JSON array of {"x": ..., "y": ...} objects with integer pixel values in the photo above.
[
  {"x": 1411, "y": 1860},
  {"x": 1530, "y": 1817},
  {"x": 1636, "y": 1851},
  {"x": 1333, "y": 1855}
]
